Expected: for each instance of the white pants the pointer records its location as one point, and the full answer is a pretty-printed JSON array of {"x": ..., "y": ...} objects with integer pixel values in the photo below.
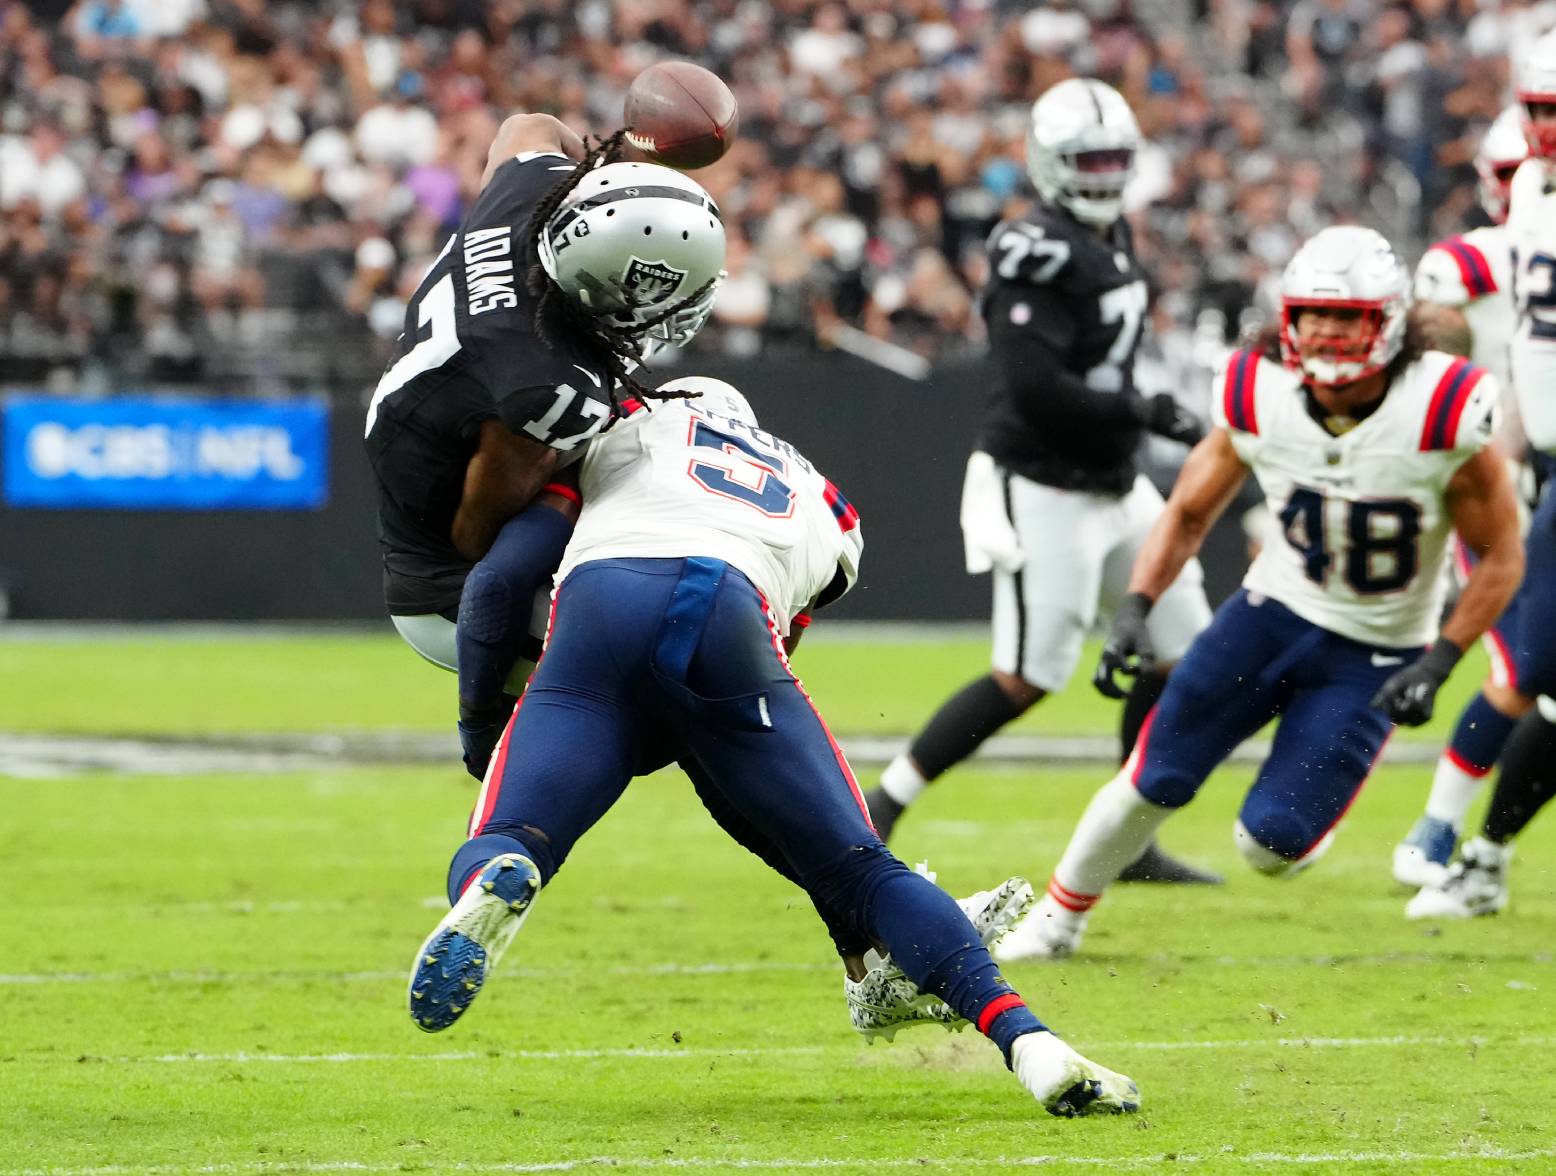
[
  {"x": 432, "y": 636},
  {"x": 1079, "y": 550}
]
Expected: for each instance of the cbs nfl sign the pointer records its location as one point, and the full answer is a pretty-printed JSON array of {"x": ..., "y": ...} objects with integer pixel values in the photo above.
[{"x": 165, "y": 453}]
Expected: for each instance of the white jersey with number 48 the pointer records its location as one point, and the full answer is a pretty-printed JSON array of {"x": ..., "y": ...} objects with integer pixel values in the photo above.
[
  {"x": 684, "y": 480},
  {"x": 1358, "y": 526}
]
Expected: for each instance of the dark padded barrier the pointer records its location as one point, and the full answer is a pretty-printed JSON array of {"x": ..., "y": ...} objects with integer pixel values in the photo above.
[{"x": 895, "y": 447}]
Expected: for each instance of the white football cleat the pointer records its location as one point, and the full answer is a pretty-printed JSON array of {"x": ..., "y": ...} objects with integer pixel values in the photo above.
[
  {"x": 1068, "y": 1084},
  {"x": 1421, "y": 859},
  {"x": 458, "y": 957},
  {"x": 886, "y": 1000},
  {"x": 1050, "y": 932},
  {"x": 1476, "y": 885}
]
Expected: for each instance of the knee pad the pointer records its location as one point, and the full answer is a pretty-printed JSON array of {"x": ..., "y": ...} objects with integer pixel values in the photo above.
[
  {"x": 1166, "y": 789},
  {"x": 486, "y": 605},
  {"x": 1271, "y": 862}
]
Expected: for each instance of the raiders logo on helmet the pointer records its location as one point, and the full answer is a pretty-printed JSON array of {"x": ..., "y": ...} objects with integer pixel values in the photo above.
[{"x": 650, "y": 281}]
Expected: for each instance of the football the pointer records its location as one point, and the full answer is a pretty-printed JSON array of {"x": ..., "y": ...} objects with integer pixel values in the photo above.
[{"x": 680, "y": 115}]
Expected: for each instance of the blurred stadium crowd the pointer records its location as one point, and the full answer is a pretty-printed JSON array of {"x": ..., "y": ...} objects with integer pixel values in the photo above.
[{"x": 242, "y": 193}]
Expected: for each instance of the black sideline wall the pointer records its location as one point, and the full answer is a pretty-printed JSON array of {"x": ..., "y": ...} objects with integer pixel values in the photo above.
[{"x": 896, "y": 448}]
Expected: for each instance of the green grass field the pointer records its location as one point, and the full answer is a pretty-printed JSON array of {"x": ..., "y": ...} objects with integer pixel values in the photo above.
[{"x": 206, "y": 973}]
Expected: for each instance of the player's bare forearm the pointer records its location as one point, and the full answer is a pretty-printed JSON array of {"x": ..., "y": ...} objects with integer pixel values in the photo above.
[
  {"x": 1209, "y": 480},
  {"x": 502, "y": 478},
  {"x": 1484, "y": 508},
  {"x": 1445, "y": 327},
  {"x": 530, "y": 132}
]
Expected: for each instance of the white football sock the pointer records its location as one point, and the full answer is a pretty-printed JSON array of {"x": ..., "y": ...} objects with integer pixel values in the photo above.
[
  {"x": 1115, "y": 829},
  {"x": 1453, "y": 791},
  {"x": 902, "y": 781}
]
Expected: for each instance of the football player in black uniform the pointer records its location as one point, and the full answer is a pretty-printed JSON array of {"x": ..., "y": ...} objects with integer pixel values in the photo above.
[
  {"x": 519, "y": 344},
  {"x": 1052, "y": 502}
]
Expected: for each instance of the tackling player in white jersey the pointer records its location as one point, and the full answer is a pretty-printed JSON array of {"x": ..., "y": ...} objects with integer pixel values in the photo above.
[
  {"x": 1476, "y": 884},
  {"x": 701, "y": 538},
  {"x": 1464, "y": 295},
  {"x": 1370, "y": 451}
]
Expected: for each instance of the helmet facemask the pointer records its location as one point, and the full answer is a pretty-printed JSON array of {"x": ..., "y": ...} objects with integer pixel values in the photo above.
[
  {"x": 1092, "y": 182},
  {"x": 1540, "y": 124},
  {"x": 1344, "y": 359},
  {"x": 1535, "y": 90}
]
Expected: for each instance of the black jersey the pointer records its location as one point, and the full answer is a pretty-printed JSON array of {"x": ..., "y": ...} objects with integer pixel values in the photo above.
[
  {"x": 1064, "y": 307},
  {"x": 469, "y": 354}
]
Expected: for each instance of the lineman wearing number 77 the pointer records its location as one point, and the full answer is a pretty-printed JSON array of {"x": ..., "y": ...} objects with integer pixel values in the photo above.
[
  {"x": 1370, "y": 451},
  {"x": 1053, "y": 503}
]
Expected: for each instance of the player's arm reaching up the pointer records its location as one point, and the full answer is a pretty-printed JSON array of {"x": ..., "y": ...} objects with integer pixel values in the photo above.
[
  {"x": 1484, "y": 509},
  {"x": 520, "y": 133},
  {"x": 1209, "y": 480}
]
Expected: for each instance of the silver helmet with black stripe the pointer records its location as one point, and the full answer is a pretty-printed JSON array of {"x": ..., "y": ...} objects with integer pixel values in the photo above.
[
  {"x": 1081, "y": 144},
  {"x": 632, "y": 241}
]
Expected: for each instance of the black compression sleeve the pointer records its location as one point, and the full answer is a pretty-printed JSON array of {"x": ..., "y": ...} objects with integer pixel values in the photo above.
[{"x": 1527, "y": 779}]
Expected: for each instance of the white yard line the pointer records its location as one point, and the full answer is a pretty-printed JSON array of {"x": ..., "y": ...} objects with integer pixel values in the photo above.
[
  {"x": 719, "y": 967},
  {"x": 808, "y": 1163},
  {"x": 841, "y": 1045}
]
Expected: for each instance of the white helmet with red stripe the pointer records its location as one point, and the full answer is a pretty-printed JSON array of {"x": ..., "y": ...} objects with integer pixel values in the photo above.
[
  {"x": 1352, "y": 268},
  {"x": 1501, "y": 151},
  {"x": 1536, "y": 84}
]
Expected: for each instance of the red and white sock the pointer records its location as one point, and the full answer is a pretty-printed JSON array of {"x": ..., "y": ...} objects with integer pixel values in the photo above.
[
  {"x": 1115, "y": 829},
  {"x": 1454, "y": 786}
]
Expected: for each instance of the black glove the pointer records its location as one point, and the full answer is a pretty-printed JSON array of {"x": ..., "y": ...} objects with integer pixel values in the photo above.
[
  {"x": 479, "y": 731},
  {"x": 1128, "y": 647},
  {"x": 1164, "y": 416},
  {"x": 1407, "y": 697}
]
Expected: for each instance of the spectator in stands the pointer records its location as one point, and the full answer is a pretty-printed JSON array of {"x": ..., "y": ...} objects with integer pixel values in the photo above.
[{"x": 243, "y": 150}]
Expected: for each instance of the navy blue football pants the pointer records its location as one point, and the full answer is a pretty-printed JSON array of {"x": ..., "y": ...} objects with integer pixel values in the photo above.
[
  {"x": 645, "y": 653},
  {"x": 1259, "y": 661},
  {"x": 1534, "y": 649}
]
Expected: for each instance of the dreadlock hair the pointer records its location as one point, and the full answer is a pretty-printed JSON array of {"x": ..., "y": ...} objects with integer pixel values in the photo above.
[
  {"x": 1417, "y": 341},
  {"x": 559, "y": 318}
]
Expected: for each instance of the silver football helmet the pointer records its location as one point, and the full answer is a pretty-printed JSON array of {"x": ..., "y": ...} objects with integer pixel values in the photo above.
[
  {"x": 1501, "y": 151},
  {"x": 1347, "y": 267},
  {"x": 1536, "y": 82},
  {"x": 715, "y": 396},
  {"x": 1081, "y": 144},
  {"x": 632, "y": 241}
]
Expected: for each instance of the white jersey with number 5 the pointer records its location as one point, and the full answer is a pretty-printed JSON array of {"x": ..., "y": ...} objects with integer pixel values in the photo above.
[
  {"x": 1358, "y": 525},
  {"x": 681, "y": 480},
  {"x": 1531, "y": 230}
]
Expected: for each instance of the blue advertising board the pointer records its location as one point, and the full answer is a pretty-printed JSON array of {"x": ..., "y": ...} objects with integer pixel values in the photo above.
[{"x": 164, "y": 453}]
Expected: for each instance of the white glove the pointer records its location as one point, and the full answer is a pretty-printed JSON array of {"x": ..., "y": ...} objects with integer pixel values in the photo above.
[{"x": 988, "y": 539}]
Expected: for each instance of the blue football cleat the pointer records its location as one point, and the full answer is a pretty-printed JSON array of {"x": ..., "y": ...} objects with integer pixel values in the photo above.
[
  {"x": 459, "y": 955},
  {"x": 1421, "y": 859}
]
